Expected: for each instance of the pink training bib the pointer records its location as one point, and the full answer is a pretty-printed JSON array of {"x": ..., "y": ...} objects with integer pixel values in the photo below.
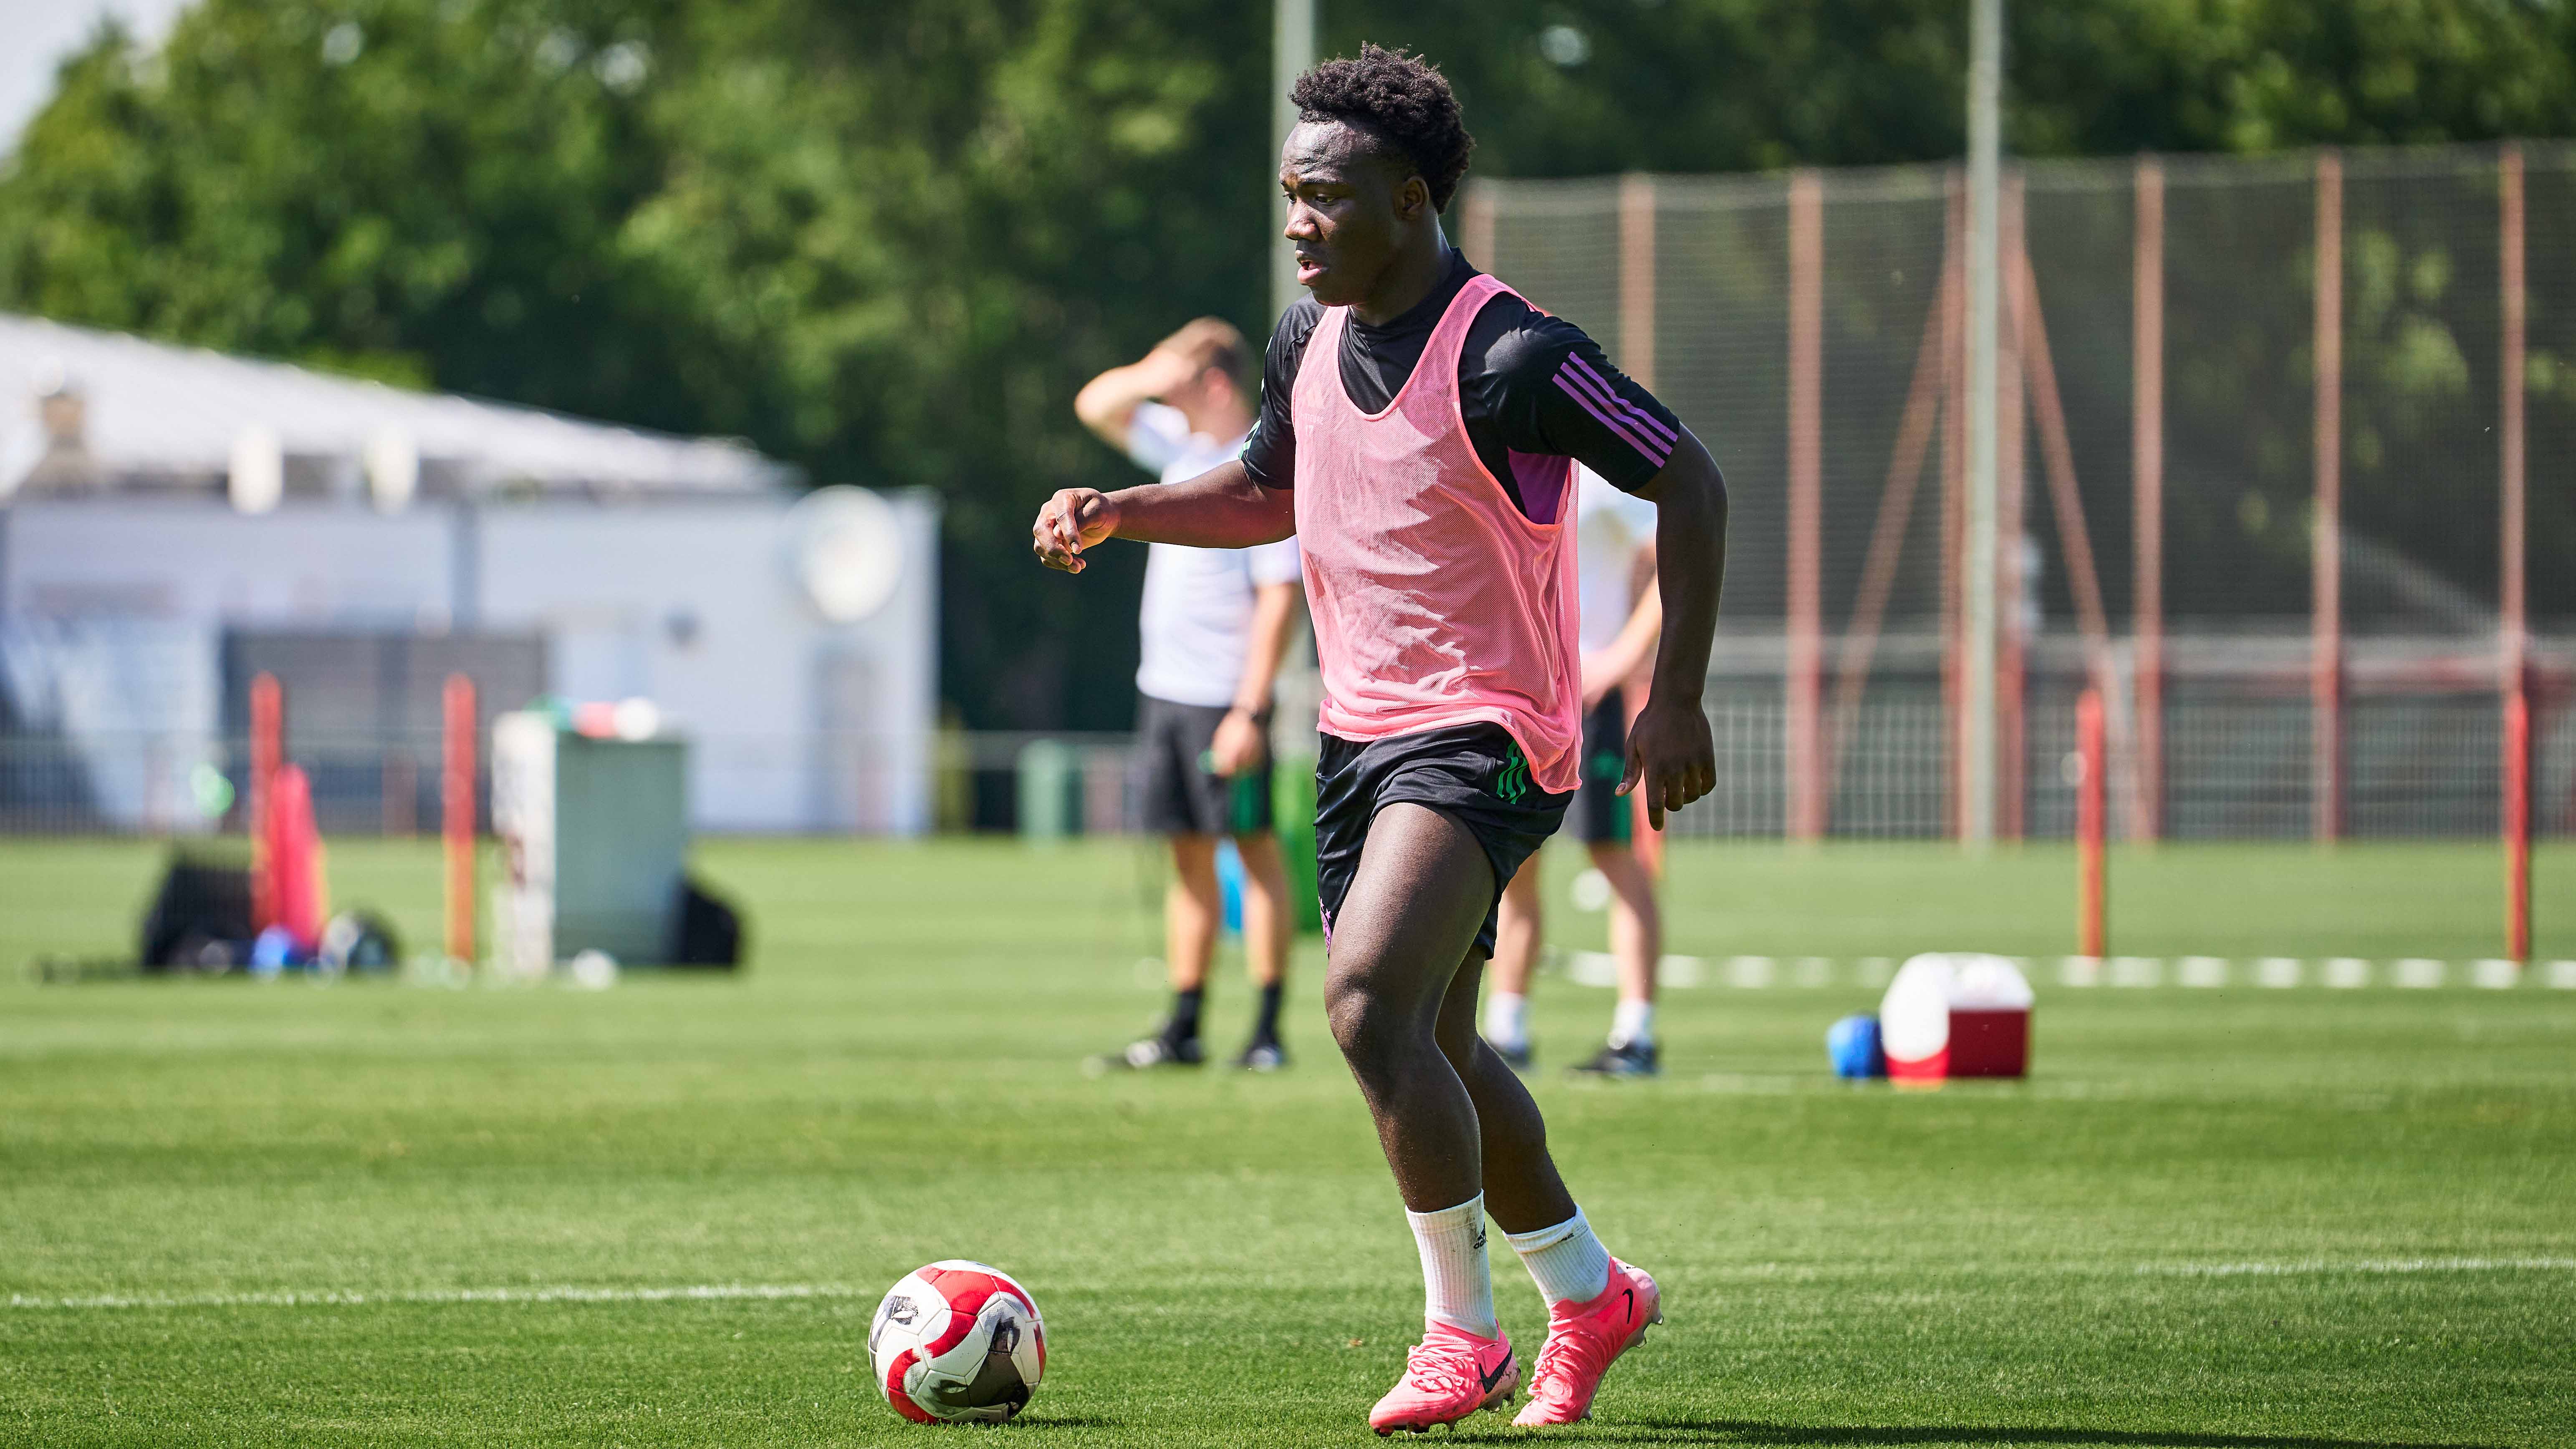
[{"x": 1435, "y": 601}]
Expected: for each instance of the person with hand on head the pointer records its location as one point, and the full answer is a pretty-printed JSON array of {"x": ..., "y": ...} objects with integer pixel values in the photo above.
[
  {"x": 1418, "y": 433},
  {"x": 1621, "y": 615},
  {"x": 1213, "y": 627}
]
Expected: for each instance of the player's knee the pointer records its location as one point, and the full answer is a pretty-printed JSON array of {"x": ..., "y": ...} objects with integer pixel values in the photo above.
[{"x": 1371, "y": 1030}]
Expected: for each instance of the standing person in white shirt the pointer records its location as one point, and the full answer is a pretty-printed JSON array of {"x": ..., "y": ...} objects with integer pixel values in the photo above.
[
  {"x": 1214, "y": 625},
  {"x": 1615, "y": 544}
]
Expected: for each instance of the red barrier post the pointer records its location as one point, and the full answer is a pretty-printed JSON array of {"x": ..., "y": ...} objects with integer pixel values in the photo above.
[
  {"x": 2090, "y": 930},
  {"x": 456, "y": 809},
  {"x": 267, "y": 752},
  {"x": 2517, "y": 826}
]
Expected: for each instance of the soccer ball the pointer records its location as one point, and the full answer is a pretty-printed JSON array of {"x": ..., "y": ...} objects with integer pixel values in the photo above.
[{"x": 957, "y": 1342}]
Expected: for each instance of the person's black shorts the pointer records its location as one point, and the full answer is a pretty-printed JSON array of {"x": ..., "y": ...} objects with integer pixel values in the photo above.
[
  {"x": 1607, "y": 817},
  {"x": 1474, "y": 774},
  {"x": 1177, "y": 791}
]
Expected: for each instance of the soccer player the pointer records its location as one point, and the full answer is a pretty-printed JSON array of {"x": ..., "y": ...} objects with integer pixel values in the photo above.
[
  {"x": 1419, "y": 427},
  {"x": 1213, "y": 627},
  {"x": 1615, "y": 544}
]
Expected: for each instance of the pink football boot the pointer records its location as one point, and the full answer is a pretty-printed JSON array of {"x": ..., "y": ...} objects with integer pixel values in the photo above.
[
  {"x": 1447, "y": 1376},
  {"x": 1582, "y": 1341}
]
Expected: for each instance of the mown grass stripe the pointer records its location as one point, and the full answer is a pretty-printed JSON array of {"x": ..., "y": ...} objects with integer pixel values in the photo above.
[{"x": 717, "y": 1292}]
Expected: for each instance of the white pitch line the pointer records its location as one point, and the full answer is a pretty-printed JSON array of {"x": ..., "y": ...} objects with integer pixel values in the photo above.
[{"x": 702, "y": 1292}]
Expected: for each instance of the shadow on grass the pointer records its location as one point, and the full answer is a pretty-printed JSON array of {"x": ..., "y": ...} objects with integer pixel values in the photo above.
[{"x": 1746, "y": 1431}]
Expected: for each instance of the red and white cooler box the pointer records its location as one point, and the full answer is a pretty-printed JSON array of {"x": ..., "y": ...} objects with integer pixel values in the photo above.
[{"x": 1956, "y": 1014}]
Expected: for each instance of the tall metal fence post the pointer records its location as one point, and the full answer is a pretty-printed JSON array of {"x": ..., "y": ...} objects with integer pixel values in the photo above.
[
  {"x": 1985, "y": 150},
  {"x": 1954, "y": 510},
  {"x": 1476, "y": 224},
  {"x": 1805, "y": 753},
  {"x": 2147, "y": 495},
  {"x": 2012, "y": 497},
  {"x": 2325, "y": 675},
  {"x": 1292, "y": 53},
  {"x": 1637, "y": 356},
  {"x": 2515, "y": 643}
]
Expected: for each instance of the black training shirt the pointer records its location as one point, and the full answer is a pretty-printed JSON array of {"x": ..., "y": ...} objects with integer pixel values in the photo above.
[{"x": 1528, "y": 383}]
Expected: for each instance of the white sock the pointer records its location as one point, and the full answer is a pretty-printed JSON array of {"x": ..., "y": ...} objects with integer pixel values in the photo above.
[
  {"x": 1633, "y": 1023},
  {"x": 1569, "y": 1263},
  {"x": 1507, "y": 1020},
  {"x": 1457, "y": 1282}
]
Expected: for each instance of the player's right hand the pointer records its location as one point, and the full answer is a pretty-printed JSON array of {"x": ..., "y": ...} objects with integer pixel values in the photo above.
[{"x": 1073, "y": 520}]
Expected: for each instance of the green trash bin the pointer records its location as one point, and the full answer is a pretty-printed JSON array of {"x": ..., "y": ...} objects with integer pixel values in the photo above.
[
  {"x": 1050, "y": 791},
  {"x": 1292, "y": 808}
]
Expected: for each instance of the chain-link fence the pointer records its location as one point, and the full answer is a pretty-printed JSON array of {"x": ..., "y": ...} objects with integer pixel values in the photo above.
[
  {"x": 2257, "y": 446},
  {"x": 2420, "y": 765}
]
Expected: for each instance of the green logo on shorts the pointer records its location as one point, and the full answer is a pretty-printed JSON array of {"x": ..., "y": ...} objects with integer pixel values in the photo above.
[{"x": 1513, "y": 784}]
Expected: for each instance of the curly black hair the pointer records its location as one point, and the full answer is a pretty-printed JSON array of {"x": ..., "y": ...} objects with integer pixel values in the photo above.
[{"x": 1399, "y": 101}]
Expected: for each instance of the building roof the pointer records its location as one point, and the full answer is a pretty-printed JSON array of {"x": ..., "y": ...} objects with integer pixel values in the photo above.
[{"x": 83, "y": 409}]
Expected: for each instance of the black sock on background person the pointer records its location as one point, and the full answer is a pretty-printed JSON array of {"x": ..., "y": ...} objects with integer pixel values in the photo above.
[
  {"x": 1184, "y": 1025},
  {"x": 1265, "y": 1027}
]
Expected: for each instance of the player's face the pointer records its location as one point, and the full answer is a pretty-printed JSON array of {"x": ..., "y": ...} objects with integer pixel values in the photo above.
[{"x": 1350, "y": 211}]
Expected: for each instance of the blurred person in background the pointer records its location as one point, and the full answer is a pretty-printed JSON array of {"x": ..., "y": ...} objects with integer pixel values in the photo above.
[
  {"x": 1622, "y": 615},
  {"x": 1213, "y": 626}
]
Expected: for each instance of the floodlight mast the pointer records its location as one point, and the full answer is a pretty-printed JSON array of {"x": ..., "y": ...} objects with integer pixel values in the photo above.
[
  {"x": 1985, "y": 145},
  {"x": 1292, "y": 54}
]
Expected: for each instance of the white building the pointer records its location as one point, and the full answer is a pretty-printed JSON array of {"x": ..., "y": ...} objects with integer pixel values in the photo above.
[{"x": 171, "y": 518}]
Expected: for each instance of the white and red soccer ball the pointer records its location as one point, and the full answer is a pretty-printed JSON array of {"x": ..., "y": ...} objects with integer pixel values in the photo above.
[{"x": 957, "y": 1342}]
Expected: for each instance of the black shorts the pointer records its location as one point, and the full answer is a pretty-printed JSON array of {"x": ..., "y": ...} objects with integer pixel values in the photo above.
[
  {"x": 1178, "y": 793},
  {"x": 1474, "y": 774},
  {"x": 1607, "y": 817}
]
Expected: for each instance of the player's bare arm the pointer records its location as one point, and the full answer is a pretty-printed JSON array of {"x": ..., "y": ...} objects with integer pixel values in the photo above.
[
  {"x": 1671, "y": 753},
  {"x": 1221, "y": 508},
  {"x": 1107, "y": 404}
]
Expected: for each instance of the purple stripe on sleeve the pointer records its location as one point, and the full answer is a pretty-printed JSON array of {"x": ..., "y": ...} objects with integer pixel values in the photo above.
[
  {"x": 1645, "y": 449},
  {"x": 1589, "y": 386},
  {"x": 1653, "y": 423}
]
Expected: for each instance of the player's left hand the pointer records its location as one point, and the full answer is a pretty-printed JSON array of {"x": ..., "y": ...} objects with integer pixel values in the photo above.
[
  {"x": 1239, "y": 745},
  {"x": 1672, "y": 755}
]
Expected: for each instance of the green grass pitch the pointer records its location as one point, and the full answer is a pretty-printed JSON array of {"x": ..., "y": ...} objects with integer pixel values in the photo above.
[{"x": 244, "y": 1215}]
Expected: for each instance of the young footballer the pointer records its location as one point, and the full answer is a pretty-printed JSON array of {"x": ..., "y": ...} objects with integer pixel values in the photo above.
[{"x": 1418, "y": 433}]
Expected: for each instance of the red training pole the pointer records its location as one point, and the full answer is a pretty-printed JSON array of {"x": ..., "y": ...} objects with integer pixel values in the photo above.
[
  {"x": 2517, "y": 826},
  {"x": 456, "y": 808},
  {"x": 2089, "y": 795},
  {"x": 267, "y": 752}
]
